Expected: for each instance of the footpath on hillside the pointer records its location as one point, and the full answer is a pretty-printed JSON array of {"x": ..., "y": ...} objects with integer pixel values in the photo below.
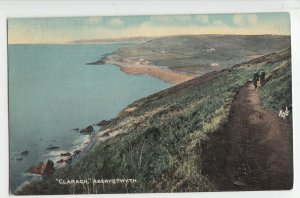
[{"x": 260, "y": 153}]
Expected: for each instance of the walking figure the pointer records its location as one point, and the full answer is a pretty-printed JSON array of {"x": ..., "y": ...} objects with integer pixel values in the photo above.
[
  {"x": 255, "y": 79},
  {"x": 262, "y": 76}
]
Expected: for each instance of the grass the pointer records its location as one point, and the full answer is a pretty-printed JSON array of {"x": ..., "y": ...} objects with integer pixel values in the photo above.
[
  {"x": 162, "y": 147},
  {"x": 174, "y": 51},
  {"x": 277, "y": 92}
]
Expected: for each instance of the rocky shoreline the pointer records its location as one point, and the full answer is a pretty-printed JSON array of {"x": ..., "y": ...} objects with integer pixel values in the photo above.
[{"x": 48, "y": 167}]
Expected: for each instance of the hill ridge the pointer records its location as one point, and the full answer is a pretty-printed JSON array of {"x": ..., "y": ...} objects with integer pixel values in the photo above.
[{"x": 161, "y": 142}]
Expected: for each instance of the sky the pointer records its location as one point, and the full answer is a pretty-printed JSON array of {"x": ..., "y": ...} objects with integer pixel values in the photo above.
[{"x": 68, "y": 29}]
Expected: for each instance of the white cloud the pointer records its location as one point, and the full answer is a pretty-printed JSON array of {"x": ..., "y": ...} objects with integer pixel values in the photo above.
[
  {"x": 244, "y": 19},
  {"x": 203, "y": 19},
  {"x": 116, "y": 22}
]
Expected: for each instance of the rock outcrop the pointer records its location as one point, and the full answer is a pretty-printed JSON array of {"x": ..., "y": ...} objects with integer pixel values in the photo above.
[
  {"x": 76, "y": 152},
  {"x": 51, "y": 147},
  {"x": 104, "y": 122},
  {"x": 65, "y": 154},
  {"x": 25, "y": 152},
  {"x": 87, "y": 130},
  {"x": 68, "y": 160},
  {"x": 99, "y": 62},
  {"x": 44, "y": 168}
]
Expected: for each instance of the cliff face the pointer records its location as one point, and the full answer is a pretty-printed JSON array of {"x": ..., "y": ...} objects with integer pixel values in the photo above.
[{"x": 162, "y": 141}]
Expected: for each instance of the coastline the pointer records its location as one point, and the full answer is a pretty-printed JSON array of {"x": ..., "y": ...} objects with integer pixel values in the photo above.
[{"x": 159, "y": 72}]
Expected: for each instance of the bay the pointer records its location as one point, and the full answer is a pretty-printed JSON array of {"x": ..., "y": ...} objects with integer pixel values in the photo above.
[{"x": 52, "y": 91}]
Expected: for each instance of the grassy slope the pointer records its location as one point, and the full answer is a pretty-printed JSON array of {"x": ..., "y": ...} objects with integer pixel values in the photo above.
[
  {"x": 277, "y": 92},
  {"x": 162, "y": 144},
  {"x": 188, "y": 50}
]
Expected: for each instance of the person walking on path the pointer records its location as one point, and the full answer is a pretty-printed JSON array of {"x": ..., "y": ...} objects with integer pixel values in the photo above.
[
  {"x": 255, "y": 79},
  {"x": 262, "y": 76}
]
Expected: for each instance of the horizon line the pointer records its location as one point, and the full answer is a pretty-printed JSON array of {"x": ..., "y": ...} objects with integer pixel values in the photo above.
[{"x": 119, "y": 39}]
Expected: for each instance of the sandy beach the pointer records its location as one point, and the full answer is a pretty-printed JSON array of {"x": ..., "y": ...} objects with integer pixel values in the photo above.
[{"x": 156, "y": 71}]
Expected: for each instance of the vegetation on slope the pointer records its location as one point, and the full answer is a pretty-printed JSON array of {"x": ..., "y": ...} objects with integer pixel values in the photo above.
[
  {"x": 188, "y": 52},
  {"x": 277, "y": 92},
  {"x": 160, "y": 143}
]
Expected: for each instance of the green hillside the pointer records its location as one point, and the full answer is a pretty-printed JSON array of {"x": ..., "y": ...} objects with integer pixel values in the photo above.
[
  {"x": 221, "y": 51},
  {"x": 277, "y": 92},
  {"x": 161, "y": 142}
]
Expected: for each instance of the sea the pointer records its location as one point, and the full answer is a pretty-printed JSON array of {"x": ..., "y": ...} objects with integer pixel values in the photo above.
[{"x": 52, "y": 91}]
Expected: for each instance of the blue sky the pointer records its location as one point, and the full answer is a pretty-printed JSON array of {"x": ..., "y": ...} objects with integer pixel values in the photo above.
[{"x": 62, "y": 30}]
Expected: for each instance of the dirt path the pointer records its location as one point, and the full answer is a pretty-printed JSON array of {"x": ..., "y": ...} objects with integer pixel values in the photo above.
[{"x": 260, "y": 154}]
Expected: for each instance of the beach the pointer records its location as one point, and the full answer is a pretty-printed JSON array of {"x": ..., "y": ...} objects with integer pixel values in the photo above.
[{"x": 160, "y": 72}]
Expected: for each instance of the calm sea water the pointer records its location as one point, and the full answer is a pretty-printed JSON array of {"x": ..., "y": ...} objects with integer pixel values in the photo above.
[{"x": 52, "y": 91}]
